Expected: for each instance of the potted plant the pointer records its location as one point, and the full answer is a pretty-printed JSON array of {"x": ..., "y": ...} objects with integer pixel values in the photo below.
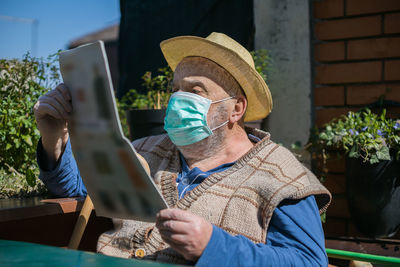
[
  {"x": 145, "y": 112},
  {"x": 371, "y": 144}
]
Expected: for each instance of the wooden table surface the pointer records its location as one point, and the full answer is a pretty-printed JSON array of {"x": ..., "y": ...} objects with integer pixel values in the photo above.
[{"x": 18, "y": 209}]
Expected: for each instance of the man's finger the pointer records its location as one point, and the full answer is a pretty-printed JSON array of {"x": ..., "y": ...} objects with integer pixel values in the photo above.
[
  {"x": 180, "y": 245},
  {"x": 173, "y": 238},
  {"x": 54, "y": 104},
  {"x": 63, "y": 89},
  {"x": 61, "y": 99},
  {"x": 173, "y": 226},
  {"x": 175, "y": 214},
  {"x": 47, "y": 109}
]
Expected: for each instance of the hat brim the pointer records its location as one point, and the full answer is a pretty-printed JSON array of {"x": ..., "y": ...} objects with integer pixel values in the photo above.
[{"x": 257, "y": 92}]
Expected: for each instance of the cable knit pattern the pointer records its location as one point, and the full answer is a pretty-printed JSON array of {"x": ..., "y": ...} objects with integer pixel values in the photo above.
[{"x": 240, "y": 200}]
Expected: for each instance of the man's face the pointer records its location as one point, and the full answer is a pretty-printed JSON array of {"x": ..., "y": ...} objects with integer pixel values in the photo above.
[{"x": 193, "y": 77}]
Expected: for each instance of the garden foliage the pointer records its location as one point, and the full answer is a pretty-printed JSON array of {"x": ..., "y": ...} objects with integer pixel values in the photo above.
[
  {"x": 22, "y": 82},
  {"x": 159, "y": 89},
  {"x": 363, "y": 135}
]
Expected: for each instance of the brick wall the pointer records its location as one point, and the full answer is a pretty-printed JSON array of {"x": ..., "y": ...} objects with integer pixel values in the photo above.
[{"x": 356, "y": 60}]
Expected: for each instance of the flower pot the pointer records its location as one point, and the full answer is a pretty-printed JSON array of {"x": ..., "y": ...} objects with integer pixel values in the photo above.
[
  {"x": 373, "y": 192},
  {"x": 145, "y": 122}
]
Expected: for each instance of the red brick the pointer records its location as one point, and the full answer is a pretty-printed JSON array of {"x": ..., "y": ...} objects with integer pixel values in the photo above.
[
  {"x": 373, "y": 48},
  {"x": 329, "y": 51},
  {"x": 349, "y": 72},
  {"x": 356, "y": 7},
  {"x": 328, "y": 9},
  {"x": 329, "y": 96},
  {"x": 335, "y": 183},
  {"x": 334, "y": 164},
  {"x": 366, "y": 94},
  {"x": 339, "y": 207},
  {"x": 327, "y": 114},
  {"x": 334, "y": 227},
  {"x": 393, "y": 112},
  {"x": 392, "y": 23},
  {"x": 392, "y": 70},
  {"x": 348, "y": 28}
]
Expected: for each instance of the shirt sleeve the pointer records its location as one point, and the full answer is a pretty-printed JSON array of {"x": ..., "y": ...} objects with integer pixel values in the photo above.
[
  {"x": 295, "y": 238},
  {"x": 64, "y": 180}
]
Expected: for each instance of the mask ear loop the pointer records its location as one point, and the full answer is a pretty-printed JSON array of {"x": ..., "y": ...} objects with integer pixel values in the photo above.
[
  {"x": 225, "y": 123},
  {"x": 224, "y": 99}
]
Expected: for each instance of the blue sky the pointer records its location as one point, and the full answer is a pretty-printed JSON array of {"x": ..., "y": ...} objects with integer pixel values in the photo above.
[{"x": 60, "y": 21}]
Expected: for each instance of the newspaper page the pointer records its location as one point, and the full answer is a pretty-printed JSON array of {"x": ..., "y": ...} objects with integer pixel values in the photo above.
[{"x": 115, "y": 179}]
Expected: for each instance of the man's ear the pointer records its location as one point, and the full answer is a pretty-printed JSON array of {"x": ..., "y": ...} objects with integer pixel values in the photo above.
[{"x": 238, "y": 109}]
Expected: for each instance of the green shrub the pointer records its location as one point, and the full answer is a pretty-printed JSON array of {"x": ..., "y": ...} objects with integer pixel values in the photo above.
[
  {"x": 262, "y": 62},
  {"x": 22, "y": 82},
  {"x": 159, "y": 89}
]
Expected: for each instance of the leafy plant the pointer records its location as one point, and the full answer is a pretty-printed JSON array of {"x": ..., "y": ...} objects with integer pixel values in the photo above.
[
  {"x": 262, "y": 62},
  {"x": 159, "y": 89},
  {"x": 22, "y": 82},
  {"x": 363, "y": 134}
]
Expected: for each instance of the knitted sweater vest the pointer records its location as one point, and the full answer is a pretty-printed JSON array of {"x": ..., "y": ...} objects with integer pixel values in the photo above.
[{"x": 240, "y": 200}]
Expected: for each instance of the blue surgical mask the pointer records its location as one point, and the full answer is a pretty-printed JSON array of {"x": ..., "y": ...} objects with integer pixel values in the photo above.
[{"x": 186, "y": 118}]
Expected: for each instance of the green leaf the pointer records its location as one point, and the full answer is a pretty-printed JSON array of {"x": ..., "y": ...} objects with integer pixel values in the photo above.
[
  {"x": 30, "y": 177},
  {"x": 323, "y": 136},
  {"x": 374, "y": 159},
  {"x": 27, "y": 139},
  {"x": 323, "y": 217},
  {"x": 354, "y": 153},
  {"x": 383, "y": 153},
  {"x": 17, "y": 143}
]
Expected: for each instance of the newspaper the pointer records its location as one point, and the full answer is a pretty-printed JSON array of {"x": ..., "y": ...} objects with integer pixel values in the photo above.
[{"x": 115, "y": 179}]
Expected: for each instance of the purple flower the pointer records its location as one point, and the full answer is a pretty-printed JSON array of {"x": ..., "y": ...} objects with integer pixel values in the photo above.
[
  {"x": 351, "y": 131},
  {"x": 380, "y": 133},
  {"x": 397, "y": 125},
  {"x": 364, "y": 129}
]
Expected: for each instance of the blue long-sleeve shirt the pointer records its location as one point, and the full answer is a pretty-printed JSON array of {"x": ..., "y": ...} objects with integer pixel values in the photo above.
[{"x": 294, "y": 236}]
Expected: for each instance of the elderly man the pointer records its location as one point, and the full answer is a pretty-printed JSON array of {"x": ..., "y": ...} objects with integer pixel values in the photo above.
[{"x": 238, "y": 198}]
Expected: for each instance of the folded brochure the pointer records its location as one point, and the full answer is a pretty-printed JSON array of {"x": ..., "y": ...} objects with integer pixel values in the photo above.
[{"x": 112, "y": 173}]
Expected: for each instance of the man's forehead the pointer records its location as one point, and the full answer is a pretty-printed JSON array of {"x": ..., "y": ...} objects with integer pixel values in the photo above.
[
  {"x": 196, "y": 66},
  {"x": 193, "y": 64}
]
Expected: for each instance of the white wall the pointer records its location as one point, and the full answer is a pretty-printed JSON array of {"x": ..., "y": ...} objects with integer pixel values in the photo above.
[{"x": 282, "y": 26}]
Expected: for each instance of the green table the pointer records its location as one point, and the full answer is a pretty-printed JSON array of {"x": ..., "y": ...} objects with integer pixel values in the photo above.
[{"x": 13, "y": 253}]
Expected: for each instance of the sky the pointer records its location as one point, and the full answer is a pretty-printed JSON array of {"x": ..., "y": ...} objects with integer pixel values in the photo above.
[{"x": 59, "y": 22}]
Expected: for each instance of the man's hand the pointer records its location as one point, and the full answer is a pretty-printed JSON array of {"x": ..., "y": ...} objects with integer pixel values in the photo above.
[
  {"x": 52, "y": 111},
  {"x": 185, "y": 232}
]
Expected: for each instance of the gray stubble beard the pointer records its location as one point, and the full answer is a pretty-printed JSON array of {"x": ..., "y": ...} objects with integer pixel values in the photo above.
[{"x": 208, "y": 147}]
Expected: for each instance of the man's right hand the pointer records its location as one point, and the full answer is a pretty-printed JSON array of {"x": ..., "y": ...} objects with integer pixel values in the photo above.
[{"x": 52, "y": 111}]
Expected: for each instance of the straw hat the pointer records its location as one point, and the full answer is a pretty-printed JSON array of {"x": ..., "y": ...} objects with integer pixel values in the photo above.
[{"x": 233, "y": 57}]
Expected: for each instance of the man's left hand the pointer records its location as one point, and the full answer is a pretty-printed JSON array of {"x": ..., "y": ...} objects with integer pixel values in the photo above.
[{"x": 185, "y": 232}]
